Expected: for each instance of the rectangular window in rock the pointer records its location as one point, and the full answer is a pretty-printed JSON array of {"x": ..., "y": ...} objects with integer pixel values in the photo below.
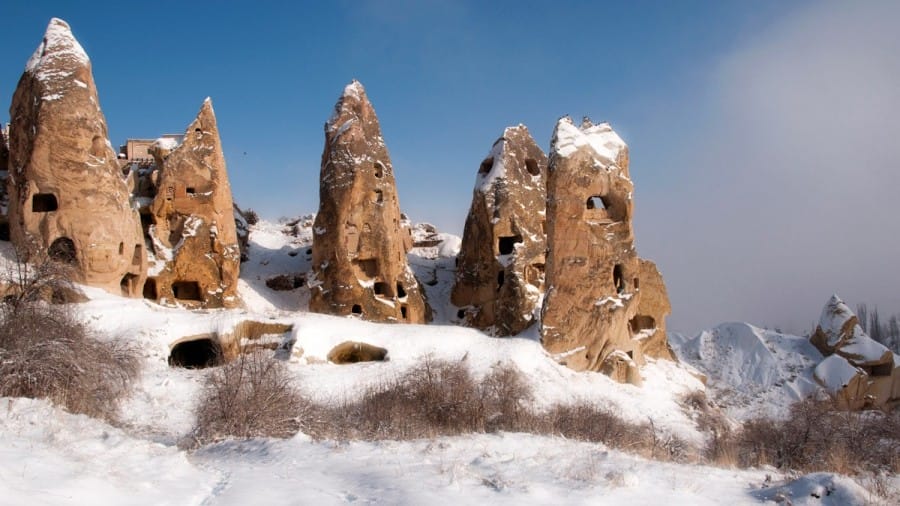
[
  {"x": 44, "y": 203},
  {"x": 507, "y": 244},
  {"x": 187, "y": 290}
]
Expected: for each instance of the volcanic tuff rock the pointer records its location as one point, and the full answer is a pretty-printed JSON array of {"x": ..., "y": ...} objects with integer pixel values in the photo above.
[
  {"x": 4, "y": 197},
  {"x": 859, "y": 371},
  {"x": 193, "y": 227},
  {"x": 500, "y": 269},
  {"x": 593, "y": 274},
  {"x": 649, "y": 325},
  {"x": 67, "y": 195},
  {"x": 359, "y": 244}
]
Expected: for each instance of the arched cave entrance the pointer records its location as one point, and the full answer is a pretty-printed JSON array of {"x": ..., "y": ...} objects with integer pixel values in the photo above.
[
  {"x": 63, "y": 250},
  {"x": 196, "y": 354}
]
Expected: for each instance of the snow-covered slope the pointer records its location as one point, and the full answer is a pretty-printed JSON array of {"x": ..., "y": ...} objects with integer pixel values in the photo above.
[
  {"x": 751, "y": 371},
  {"x": 51, "y": 457}
]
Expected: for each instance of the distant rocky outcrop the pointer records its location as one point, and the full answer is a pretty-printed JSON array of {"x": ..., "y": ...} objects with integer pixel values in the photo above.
[
  {"x": 67, "y": 196},
  {"x": 592, "y": 317},
  {"x": 861, "y": 372},
  {"x": 360, "y": 244},
  {"x": 500, "y": 267},
  {"x": 192, "y": 220}
]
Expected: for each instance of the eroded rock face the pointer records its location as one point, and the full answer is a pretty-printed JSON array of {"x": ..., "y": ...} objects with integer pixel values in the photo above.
[
  {"x": 860, "y": 372},
  {"x": 593, "y": 271},
  {"x": 4, "y": 197},
  {"x": 360, "y": 243},
  {"x": 193, "y": 231},
  {"x": 500, "y": 267},
  {"x": 68, "y": 198},
  {"x": 649, "y": 324}
]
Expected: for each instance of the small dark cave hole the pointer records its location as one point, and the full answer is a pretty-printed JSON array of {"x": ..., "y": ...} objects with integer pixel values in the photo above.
[{"x": 196, "y": 354}]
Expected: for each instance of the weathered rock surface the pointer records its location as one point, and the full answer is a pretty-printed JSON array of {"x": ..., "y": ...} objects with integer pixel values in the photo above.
[
  {"x": 500, "y": 267},
  {"x": 360, "y": 244},
  {"x": 68, "y": 198},
  {"x": 649, "y": 324},
  {"x": 860, "y": 372},
  {"x": 192, "y": 227},
  {"x": 351, "y": 352},
  {"x": 593, "y": 279},
  {"x": 4, "y": 197}
]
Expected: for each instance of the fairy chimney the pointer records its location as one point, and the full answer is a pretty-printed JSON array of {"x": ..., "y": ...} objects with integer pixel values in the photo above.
[
  {"x": 500, "y": 267},
  {"x": 359, "y": 242},
  {"x": 192, "y": 227},
  {"x": 648, "y": 326},
  {"x": 67, "y": 196},
  {"x": 593, "y": 271}
]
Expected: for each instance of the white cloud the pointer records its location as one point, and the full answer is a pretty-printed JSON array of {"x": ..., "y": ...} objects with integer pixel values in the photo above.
[{"x": 792, "y": 192}]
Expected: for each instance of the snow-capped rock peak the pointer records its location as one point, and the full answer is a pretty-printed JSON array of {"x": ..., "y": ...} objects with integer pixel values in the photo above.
[{"x": 58, "y": 45}]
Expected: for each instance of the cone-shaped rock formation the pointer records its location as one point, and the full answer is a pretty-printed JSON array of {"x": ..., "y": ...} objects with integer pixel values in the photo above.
[
  {"x": 68, "y": 198},
  {"x": 593, "y": 271},
  {"x": 500, "y": 268},
  {"x": 359, "y": 242},
  {"x": 193, "y": 230}
]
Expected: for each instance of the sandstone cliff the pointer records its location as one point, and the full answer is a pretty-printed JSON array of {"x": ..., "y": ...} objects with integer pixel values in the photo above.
[
  {"x": 192, "y": 228},
  {"x": 360, "y": 244},
  {"x": 500, "y": 267},
  {"x": 593, "y": 272},
  {"x": 67, "y": 195}
]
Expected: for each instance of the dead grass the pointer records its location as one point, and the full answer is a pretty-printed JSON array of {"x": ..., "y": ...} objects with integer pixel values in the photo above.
[
  {"x": 252, "y": 396},
  {"x": 45, "y": 352}
]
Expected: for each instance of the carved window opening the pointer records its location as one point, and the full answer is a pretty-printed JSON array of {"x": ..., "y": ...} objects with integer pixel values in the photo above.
[
  {"x": 597, "y": 202},
  {"x": 128, "y": 284},
  {"x": 381, "y": 288},
  {"x": 369, "y": 266},
  {"x": 461, "y": 314},
  {"x": 63, "y": 250},
  {"x": 378, "y": 196},
  {"x": 196, "y": 354},
  {"x": 506, "y": 245},
  {"x": 642, "y": 322},
  {"x": 187, "y": 290},
  {"x": 630, "y": 354},
  {"x": 356, "y": 309},
  {"x": 121, "y": 248},
  {"x": 637, "y": 283},
  {"x": 400, "y": 291},
  {"x": 190, "y": 190},
  {"x": 486, "y": 166},
  {"x": 403, "y": 312},
  {"x": 44, "y": 203},
  {"x": 532, "y": 167},
  {"x": 138, "y": 255},
  {"x": 150, "y": 289},
  {"x": 618, "y": 279},
  {"x": 4, "y": 231},
  {"x": 379, "y": 170},
  {"x": 500, "y": 279},
  {"x": 880, "y": 369}
]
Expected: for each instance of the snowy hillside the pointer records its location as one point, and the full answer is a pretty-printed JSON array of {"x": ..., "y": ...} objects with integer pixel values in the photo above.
[
  {"x": 52, "y": 457},
  {"x": 751, "y": 371}
]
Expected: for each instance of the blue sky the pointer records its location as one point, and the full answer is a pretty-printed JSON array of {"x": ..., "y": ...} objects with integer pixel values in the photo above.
[{"x": 727, "y": 107}]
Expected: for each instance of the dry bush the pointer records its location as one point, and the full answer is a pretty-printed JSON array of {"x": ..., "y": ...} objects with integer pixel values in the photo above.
[
  {"x": 252, "y": 396},
  {"x": 441, "y": 398},
  {"x": 817, "y": 437},
  {"x": 45, "y": 352}
]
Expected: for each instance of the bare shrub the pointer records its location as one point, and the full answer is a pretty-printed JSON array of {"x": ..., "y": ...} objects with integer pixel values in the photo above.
[
  {"x": 440, "y": 398},
  {"x": 817, "y": 437},
  {"x": 251, "y": 216},
  {"x": 252, "y": 396},
  {"x": 45, "y": 352}
]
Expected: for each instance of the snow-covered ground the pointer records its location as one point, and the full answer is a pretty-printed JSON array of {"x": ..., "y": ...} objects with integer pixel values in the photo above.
[{"x": 52, "y": 457}]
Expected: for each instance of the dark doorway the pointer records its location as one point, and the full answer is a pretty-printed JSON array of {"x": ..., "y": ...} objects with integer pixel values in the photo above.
[
  {"x": 186, "y": 290},
  {"x": 44, "y": 203},
  {"x": 196, "y": 354},
  {"x": 63, "y": 250}
]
